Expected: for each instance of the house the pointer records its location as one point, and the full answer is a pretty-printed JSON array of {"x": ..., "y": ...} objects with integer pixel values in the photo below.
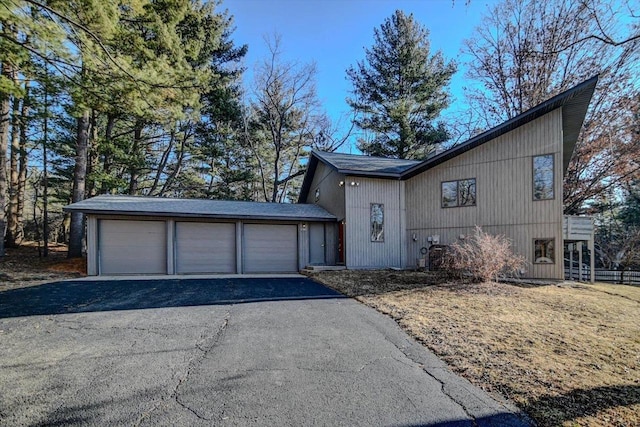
[{"x": 361, "y": 211}]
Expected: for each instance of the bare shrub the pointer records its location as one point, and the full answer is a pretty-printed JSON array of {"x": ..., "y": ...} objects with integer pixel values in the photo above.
[{"x": 484, "y": 257}]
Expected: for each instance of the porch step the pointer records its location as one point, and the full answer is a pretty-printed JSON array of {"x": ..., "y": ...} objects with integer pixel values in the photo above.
[{"x": 316, "y": 268}]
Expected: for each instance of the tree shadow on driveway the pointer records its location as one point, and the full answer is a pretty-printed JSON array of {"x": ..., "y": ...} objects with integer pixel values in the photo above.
[{"x": 80, "y": 296}]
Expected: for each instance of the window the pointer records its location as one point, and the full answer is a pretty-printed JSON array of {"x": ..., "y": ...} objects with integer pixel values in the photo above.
[
  {"x": 377, "y": 222},
  {"x": 544, "y": 251},
  {"x": 459, "y": 193},
  {"x": 317, "y": 194},
  {"x": 543, "y": 177}
]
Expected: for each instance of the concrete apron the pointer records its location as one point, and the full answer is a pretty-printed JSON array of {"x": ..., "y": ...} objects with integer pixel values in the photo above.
[{"x": 190, "y": 276}]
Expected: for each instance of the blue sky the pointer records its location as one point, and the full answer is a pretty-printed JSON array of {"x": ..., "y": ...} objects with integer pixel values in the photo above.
[{"x": 334, "y": 33}]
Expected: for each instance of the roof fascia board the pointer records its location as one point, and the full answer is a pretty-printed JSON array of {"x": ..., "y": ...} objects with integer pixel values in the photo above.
[{"x": 195, "y": 215}]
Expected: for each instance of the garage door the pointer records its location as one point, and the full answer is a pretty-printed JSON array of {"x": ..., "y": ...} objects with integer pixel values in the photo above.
[
  {"x": 132, "y": 247},
  {"x": 270, "y": 248},
  {"x": 205, "y": 247}
]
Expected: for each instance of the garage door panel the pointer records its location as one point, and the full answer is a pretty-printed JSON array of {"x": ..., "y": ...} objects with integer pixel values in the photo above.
[
  {"x": 270, "y": 248},
  {"x": 132, "y": 247},
  {"x": 205, "y": 247}
]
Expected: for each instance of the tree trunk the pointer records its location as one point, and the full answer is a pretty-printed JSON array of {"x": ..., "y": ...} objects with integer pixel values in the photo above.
[
  {"x": 134, "y": 167},
  {"x": 76, "y": 229},
  {"x": 12, "y": 207},
  {"x": 23, "y": 161},
  {"x": 163, "y": 162},
  {"x": 107, "y": 161},
  {"x": 92, "y": 159},
  {"x": 45, "y": 178},
  {"x": 4, "y": 142}
]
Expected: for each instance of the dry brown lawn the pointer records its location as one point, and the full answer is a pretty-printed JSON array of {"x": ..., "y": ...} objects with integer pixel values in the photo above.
[
  {"x": 567, "y": 354},
  {"x": 24, "y": 266}
]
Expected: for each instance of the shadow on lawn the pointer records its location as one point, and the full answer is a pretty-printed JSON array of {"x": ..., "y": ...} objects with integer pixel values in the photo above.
[
  {"x": 96, "y": 295},
  {"x": 554, "y": 410}
]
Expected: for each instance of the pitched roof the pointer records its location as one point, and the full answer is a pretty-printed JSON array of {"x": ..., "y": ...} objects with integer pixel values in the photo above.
[
  {"x": 199, "y": 208},
  {"x": 358, "y": 164},
  {"x": 574, "y": 103}
]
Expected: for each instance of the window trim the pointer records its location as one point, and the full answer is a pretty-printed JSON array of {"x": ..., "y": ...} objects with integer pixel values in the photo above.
[
  {"x": 458, "y": 205},
  {"x": 553, "y": 260},
  {"x": 553, "y": 177},
  {"x": 371, "y": 222}
]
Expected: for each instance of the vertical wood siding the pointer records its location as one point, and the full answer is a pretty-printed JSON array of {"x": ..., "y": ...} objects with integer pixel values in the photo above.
[
  {"x": 360, "y": 251},
  {"x": 503, "y": 169},
  {"x": 331, "y": 193}
]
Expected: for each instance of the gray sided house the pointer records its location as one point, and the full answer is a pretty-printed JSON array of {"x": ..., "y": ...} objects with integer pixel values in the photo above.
[{"x": 360, "y": 211}]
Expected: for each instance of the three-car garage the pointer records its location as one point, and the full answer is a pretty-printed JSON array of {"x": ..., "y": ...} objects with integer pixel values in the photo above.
[{"x": 153, "y": 236}]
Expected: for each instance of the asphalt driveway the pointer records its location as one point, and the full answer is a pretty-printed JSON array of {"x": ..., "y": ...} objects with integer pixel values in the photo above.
[{"x": 220, "y": 352}]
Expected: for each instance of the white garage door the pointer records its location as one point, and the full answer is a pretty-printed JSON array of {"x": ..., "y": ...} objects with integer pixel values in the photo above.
[
  {"x": 132, "y": 247},
  {"x": 205, "y": 247},
  {"x": 270, "y": 248}
]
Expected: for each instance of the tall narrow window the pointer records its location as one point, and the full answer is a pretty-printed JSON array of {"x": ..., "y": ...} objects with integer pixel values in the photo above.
[
  {"x": 377, "y": 222},
  {"x": 467, "y": 192},
  {"x": 459, "y": 193},
  {"x": 543, "y": 177},
  {"x": 544, "y": 251}
]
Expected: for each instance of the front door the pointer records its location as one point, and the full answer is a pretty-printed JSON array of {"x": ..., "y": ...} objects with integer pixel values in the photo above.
[
  {"x": 316, "y": 244},
  {"x": 341, "y": 242}
]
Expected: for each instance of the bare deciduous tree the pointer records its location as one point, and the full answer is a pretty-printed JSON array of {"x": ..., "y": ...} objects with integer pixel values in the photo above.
[
  {"x": 284, "y": 122},
  {"x": 526, "y": 51}
]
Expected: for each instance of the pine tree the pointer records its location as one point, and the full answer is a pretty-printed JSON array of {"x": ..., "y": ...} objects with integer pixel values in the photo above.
[{"x": 399, "y": 91}]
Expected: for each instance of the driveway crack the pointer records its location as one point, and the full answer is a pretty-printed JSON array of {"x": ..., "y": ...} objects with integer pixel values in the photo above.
[
  {"x": 202, "y": 347},
  {"x": 443, "y": 388}
]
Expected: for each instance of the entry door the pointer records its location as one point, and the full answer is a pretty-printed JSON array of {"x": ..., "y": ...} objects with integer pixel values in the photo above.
[
  {"x": 341, "y": 243},
  {"x": 316, "y": 244}
]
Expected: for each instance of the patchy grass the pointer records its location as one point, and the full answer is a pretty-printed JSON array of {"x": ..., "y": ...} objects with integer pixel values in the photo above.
[
  {"x": 23, "y": 266},
  {"x": 567, "y": 354}
]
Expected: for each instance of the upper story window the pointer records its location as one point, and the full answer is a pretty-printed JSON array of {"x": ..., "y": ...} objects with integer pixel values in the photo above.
[
  {"x": 377, "y": 222},
  {"x": 543, "y": 177},
  {"x": 317, "y": 194},
  {"x": 459, "y": 193}
]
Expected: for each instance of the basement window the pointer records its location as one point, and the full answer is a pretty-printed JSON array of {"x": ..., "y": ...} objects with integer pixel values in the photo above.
[
  {"x": 377, "y": 222},
  {"x": 544, "y": 251},
  {"x": 543, "y": 177},
  {"x": 459, "y": 193}
]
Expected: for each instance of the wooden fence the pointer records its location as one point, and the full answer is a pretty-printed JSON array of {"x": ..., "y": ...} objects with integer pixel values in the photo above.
[{"x": 613, "y": 276}]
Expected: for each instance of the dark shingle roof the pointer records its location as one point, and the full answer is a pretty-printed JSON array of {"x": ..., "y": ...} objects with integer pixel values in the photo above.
[
  {"x": 199, "y": 208},
  {"x": 355, "y": 164}
]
